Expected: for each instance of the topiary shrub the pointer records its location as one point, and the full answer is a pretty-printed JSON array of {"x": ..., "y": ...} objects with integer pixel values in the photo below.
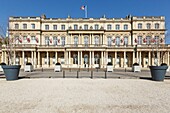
[
  {"x": 163, "y": 64},
  {"x": 28, "y": 63},
  {"x": 2, "y": 63},
  {"x": 57, "y": 63},
  {"x": 135, "y": 64}
]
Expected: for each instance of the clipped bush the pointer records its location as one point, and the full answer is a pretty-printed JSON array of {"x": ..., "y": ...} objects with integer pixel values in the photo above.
[
  {"x": 163, "y": 64},
  {"x": 109, "y": 63},
  {"x": 135, "y": 64},
  {"x": 57, "y": 63},
  {"x": 28, "y": 63},
  {"x": 2, "y": 63}
]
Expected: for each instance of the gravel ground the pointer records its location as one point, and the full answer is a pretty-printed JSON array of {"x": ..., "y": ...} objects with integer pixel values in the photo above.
[{"x": 84, "y": 96}]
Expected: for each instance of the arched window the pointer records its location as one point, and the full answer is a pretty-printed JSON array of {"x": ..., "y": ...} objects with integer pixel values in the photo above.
[
  {"x": 96, "y": 27},
  {"x": 156, "y": 26},
  {"x": 55, "y": 40},
  {"x": 125, "y": 27},
  {"x": 140, "y": 26},
  {"x": 109, "y": 41},
  {"x": 148, "y": 26},
  {"x": 117, "y": 27},
  {"x": 86, "y": 41},
  {"x": 24, "y": 26},
  {"x": 75, "y": 41},
  {"x": 16, "y": 26},
  {"x": 117, "y": 41},
  {"x": 109, "y": 27},
  {"x": 63, "y": 41},
  {"x": 96, "y": 40}
]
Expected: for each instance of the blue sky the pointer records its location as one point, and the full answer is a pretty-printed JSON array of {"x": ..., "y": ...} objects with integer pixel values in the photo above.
[{"x": 96, "y": 9}]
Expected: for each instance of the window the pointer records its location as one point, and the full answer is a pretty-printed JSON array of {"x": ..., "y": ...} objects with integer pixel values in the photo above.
[
  {"x": 109, "y": 41},
  {"x": 96, "y": 41},
  {"x": 126, "y": 27},
  {"x": 24, "y": 39},
  {"x": 86, "y": 41},
  {"x": 148, "y": 26},
  {"x": 125, "y": 40},
  {"x": 156, "y": 39},
  {"x": 55, "y": 40},
  {"x": 46, "y": 27},
  {"x": 117, "y": 27},
  {"x": 75, "y": 27},
  {"x": 24, "y": 26},
  {"x": 62, "y": 27},
  {"x": 117, "y": 41},
  {"x": 139, "y": 26},
  {"x": 33, "y": 26},
  {"x": 156, "y": 26},
  {"x": 33, "y": 40},
  {"x": 75, "y": 59},
  {"x": 148, "y": 40},
  {"x": 63, "y": 41},
  {"x": 17, "y": 39},
  {"x": 76, "y": 41},
  {"x": 54, "y": 27},
  {"x": 16, "y": 26},
  {"x": 109, "y": 27},
  {"x": 139, "y": 40},
  {"x": 47, "y": 41},
  {"x": 96, "y": 27},
  {"x": 96, "y": 59},
  {"x": 85, "y": 27}
]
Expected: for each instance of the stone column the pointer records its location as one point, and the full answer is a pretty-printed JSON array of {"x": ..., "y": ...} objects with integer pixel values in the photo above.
[
  {"x": 90, "y": 59},
  {"x": 47, "y": 59},
  {"x": 2, "y": 58},
  {"x": 133, "y": 60},
  {"x": 149, "y": 59},
  {"x": 5, "y": 57},
  {"x": 140, "y": 58},
  {"x": 158, "y": 58},
  {"x": 78, "y": 58},
  {"x": 56, "y": 57},
  {"x": 32, "y": 57},
  {"x": 115, "y": 58},
  {"x": 124, "y": 58},
  {"x": 81, "y": 58},
  {"x": 23, "y": 58},
  {"x": 90, "y": 39},
  {"x": 137, "y": 57},
  {"x": 101, "y": 59},
  {"x": 39, "y": 59},
  {"x": 35, "y": 59},
  {"x": 69, "y": 58}
]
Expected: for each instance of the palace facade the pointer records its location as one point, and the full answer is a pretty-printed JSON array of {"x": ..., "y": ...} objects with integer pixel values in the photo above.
[{"x": 87, "y": 42}]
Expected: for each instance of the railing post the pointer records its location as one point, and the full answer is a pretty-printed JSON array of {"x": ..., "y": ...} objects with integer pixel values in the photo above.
[
  {"x": 91, "y": 74},
  {"x": 63, "y": 74},
  {"x": 77, "y": 74},
  {"x": 105, "y": 74}
]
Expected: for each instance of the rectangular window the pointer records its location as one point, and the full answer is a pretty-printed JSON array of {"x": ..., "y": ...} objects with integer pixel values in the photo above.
[
  {"x": 86, "y": 41},
  {"x": 139, "y": 40},
  {"x": 148, "y": 40},
  {"x": 33, "y": 40},
  {"x": 76, "y": 41},
  {"x": 63, "y": 41},
  {"x": 85, "y": 27},
  {"x": 156, "y": 40},
  {"x": 117, "y": 41},
  {"x": 33, "y": 26},
  {"x": 24, "y": 26},
  {"x": 47, "y": 41},
  {"x": 55, "y": 41},
  {"x": 117, "y": 27},
  {"x": 109, "y": 41},
  {"x": 25, "y": 39},
  {"x": 54, "y": 27},
  {"x": 125, "y": 40},
  {"x": 75, "y": 27},
  {"x": 96, "y": 27},
  {"x": 46, "y": 27},
  {"x": 96, "y": 41},
  {"x": 62, "y": 27},
  {"x": 125, "y": 27},
  {"x": 109, "y": 27},
  {"x": 16, "y": 26}
]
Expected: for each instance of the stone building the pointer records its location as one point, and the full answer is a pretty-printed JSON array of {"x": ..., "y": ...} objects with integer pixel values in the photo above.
[{"x": 87, "y": 42}]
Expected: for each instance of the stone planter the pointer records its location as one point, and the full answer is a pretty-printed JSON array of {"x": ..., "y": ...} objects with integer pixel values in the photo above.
[
  {"x": 28, "y": 68},
  {"x": 57, "y": 67},
  {"x": 136, "y": 68},
  {"x": 109, "y": 68}
]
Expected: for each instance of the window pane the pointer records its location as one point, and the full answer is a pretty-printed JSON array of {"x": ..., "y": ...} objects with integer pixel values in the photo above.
[
  {"x": 54, "y": 27},
  {"x": 33, "y": 26},
  {"x": 46, "y": 27}
]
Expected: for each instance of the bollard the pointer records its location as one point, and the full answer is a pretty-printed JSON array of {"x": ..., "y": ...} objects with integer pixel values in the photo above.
[
  {"x": 63, "y": 74},
  {"x": 91, "y": 74},
  {"x": 77, "y": 74},
  {"x": 105, "y": 74},
  {"x": 42, "y": 69},
  {"x": 70, "y": 69}
]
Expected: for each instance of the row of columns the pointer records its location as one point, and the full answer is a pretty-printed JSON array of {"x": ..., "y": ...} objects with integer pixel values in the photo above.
[{"x": 67, "y": 57}]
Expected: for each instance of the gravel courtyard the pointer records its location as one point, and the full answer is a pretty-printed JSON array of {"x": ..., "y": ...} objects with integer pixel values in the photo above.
[{"x": 84, "y": 96}]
